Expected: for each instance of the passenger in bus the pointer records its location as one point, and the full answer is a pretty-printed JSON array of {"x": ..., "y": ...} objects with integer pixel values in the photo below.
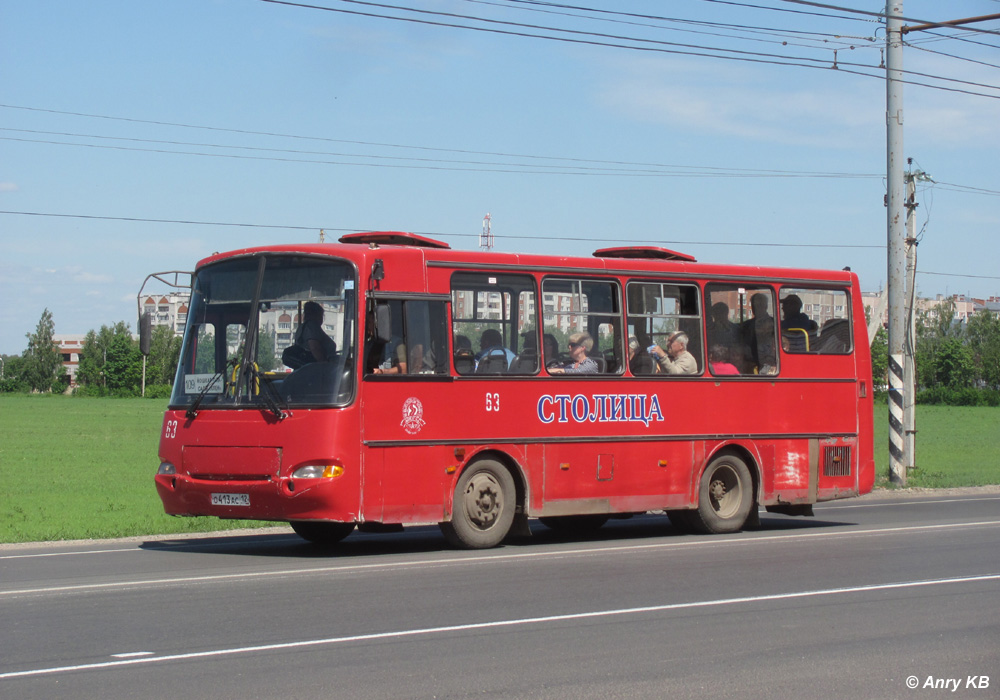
[
  {"x": 396, "y": 363},
  {"x": 579, "y": 345},
  {"x": 491, "y": 350},
  {"x": 640, "y": 362},
  {"x": 757, "y": 329},
  {"x": 675, "y": 359},
  {"x": 420, "y": 361},
  {"x": 311, "y": 344},
  {"x": 550, "y": 346},
  {"x": 792, "y": 316},
  {"x": 767, "y": 356},
  {"x": 721, "y": 330},
  {"x": 718, "y": 361}
]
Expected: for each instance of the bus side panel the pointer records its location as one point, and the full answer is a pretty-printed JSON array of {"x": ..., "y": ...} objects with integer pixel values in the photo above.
[
  {"x": 415, "y": 483},
  {"x": 615, "y": 477}
]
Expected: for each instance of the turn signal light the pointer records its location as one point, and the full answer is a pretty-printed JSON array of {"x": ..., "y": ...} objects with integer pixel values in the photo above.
[{"x": 319, "y": 471}]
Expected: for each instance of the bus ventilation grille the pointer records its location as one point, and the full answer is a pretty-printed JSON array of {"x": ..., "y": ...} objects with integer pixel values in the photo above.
[{"x": 837, "y": 461}]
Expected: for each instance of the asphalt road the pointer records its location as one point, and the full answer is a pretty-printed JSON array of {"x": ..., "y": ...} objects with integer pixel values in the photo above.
[{"x": 867, "y": 597}]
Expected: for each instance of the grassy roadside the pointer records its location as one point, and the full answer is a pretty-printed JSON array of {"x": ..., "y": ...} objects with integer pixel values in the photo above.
[
  {"x": 76, "y": 468},
  {"x": 955, "y": 446}
]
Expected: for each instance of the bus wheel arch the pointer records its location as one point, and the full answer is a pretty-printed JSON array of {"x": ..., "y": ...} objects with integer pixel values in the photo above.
[
  {"x": 486, "y": 497},
  {"x": 726, "y": 492}
]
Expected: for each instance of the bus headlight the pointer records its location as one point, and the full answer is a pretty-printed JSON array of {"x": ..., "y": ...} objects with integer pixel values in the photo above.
[
  {"x": 318, "y": 471},
  {"x": 167, "y": 469}
]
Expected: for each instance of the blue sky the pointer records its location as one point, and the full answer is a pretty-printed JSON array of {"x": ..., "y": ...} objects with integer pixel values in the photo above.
[{"x": 137, "y": 137}]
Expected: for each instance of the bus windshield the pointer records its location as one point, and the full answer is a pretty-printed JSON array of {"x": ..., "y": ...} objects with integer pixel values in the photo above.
[{"x": 273, "y": 331}]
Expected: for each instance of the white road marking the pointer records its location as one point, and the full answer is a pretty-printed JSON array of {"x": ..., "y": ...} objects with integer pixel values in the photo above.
[
  {"x": 743, "y": 541},
  {"x": 401, "y": 634}
]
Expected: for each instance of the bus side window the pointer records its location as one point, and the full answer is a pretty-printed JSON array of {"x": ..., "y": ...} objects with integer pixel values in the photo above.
[
  {"x": 815, "y": 321},
  {"x": 741, "y": 330},
  {"x": 580, "y": 308},
  {"x": 493, "y": 324},
  {"x": 417, "y": 338},
  {"x": 658, "y": 313}
]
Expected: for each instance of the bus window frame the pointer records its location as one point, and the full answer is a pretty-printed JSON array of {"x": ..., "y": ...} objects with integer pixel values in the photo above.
[
  {"x": 617, "y": 346},
  {"x": 508, "y": 324},
  {"x": 698, "y": 320}
]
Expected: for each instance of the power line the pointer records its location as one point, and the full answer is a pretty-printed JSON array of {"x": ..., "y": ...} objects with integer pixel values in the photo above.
[
  {"x": 658, "y": 241},
  {"x": 646, "y": 45},
  {"x": 964, "y": 188},
  {"x": 955, "y": 274},
  {"x": 431, "y": 163},
  {"x": 609, "y": 16},
  {"x": 324, "y": 139}
]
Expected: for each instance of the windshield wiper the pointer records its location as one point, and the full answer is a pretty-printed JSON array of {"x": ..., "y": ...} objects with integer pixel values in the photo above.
[
  {"x": 192, "y": 410},
  {"x": 270, "y": 396}
]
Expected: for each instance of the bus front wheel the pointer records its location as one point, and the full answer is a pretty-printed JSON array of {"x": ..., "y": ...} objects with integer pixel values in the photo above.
[
  {"x": 725, "y": 496},
  {"x": 322, "y": 533},
  {"x": 483, "y": 508}
]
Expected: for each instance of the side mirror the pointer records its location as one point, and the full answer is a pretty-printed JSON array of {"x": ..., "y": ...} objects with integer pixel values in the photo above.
[
  {"x": 383, "y": 323},
  {"x": 145, "y": 332}
]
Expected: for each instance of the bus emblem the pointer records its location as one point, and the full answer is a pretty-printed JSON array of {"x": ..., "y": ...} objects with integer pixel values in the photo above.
[{"x": 413, "y": 416}]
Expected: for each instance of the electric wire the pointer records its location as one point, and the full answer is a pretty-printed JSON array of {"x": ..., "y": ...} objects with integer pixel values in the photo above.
[
  {"x": 646, "y": 45},
  {"x": 440, "y": 234},
  {"x": 325, "y": 139},
  {"x": 430, "y": 163}
]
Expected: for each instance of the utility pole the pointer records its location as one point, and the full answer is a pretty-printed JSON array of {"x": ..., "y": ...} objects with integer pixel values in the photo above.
[
  {"x": 910, "y": 369},
  {"x": 895, "y": 214},
  {"x": 901, "y": 393}
]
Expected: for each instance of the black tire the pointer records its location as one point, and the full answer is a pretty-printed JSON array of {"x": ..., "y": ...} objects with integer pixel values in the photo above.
[
  {"x": 725, "y": 496},
  {"x": 575, "y": 524},
  {"x": 483, "y": 507},
  {"x": 322, "y": 533}
]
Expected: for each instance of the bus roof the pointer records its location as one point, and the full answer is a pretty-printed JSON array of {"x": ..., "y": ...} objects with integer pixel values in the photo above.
[{"x": 631, "y": 259}]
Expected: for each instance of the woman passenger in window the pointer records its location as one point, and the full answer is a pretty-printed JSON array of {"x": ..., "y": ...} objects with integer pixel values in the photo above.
[
  {"x": 718, "y": 361},
  {"x": 579, "y": 345}
]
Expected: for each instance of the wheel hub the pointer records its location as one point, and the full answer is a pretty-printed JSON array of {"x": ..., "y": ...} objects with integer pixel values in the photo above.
[{"x": 483, "y": 500}]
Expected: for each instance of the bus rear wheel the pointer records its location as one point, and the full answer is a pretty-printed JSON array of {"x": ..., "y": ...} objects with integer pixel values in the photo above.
[
  {"x": 322, "y": 533},
  {"x": 725, "y": 496},
  {"x": 483, "y": 508}
]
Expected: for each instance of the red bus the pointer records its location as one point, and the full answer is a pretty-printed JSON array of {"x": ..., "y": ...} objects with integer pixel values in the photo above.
[{"x": 388, "y": 380}]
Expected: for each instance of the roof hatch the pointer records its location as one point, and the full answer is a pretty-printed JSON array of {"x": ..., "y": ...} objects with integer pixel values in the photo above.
[
  {"x": 392, "y": 238},
  {"x": 643, "y": 252}
]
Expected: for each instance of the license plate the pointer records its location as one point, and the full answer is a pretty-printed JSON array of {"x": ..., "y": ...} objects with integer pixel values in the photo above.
[{"x": 230, "y": 499}]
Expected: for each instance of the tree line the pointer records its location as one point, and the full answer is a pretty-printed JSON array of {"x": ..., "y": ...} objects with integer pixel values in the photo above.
[
  {"x": 110, "y": 363},
  {"x": 957, "y": 363}
]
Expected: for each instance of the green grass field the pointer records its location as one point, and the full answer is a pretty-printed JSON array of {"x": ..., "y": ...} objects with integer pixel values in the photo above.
[
  {"x": 75, "y": 468},
  {"x": 955, "y": 446}
]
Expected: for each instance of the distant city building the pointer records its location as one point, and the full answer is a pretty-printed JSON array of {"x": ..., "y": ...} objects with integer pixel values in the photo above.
[
  {"x": 168, "y": 310},
  {"x": 965, "y": 307},
  {"x": 70, "y": 347}
]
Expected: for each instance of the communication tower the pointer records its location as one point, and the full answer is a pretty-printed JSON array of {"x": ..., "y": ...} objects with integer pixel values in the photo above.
[{"x": 486, "y": 237}]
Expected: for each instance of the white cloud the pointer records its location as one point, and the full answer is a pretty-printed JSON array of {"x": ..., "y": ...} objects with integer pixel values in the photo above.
[
  {"x": 744, "y": 106},
  {"x": 8, "y": 187}
]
